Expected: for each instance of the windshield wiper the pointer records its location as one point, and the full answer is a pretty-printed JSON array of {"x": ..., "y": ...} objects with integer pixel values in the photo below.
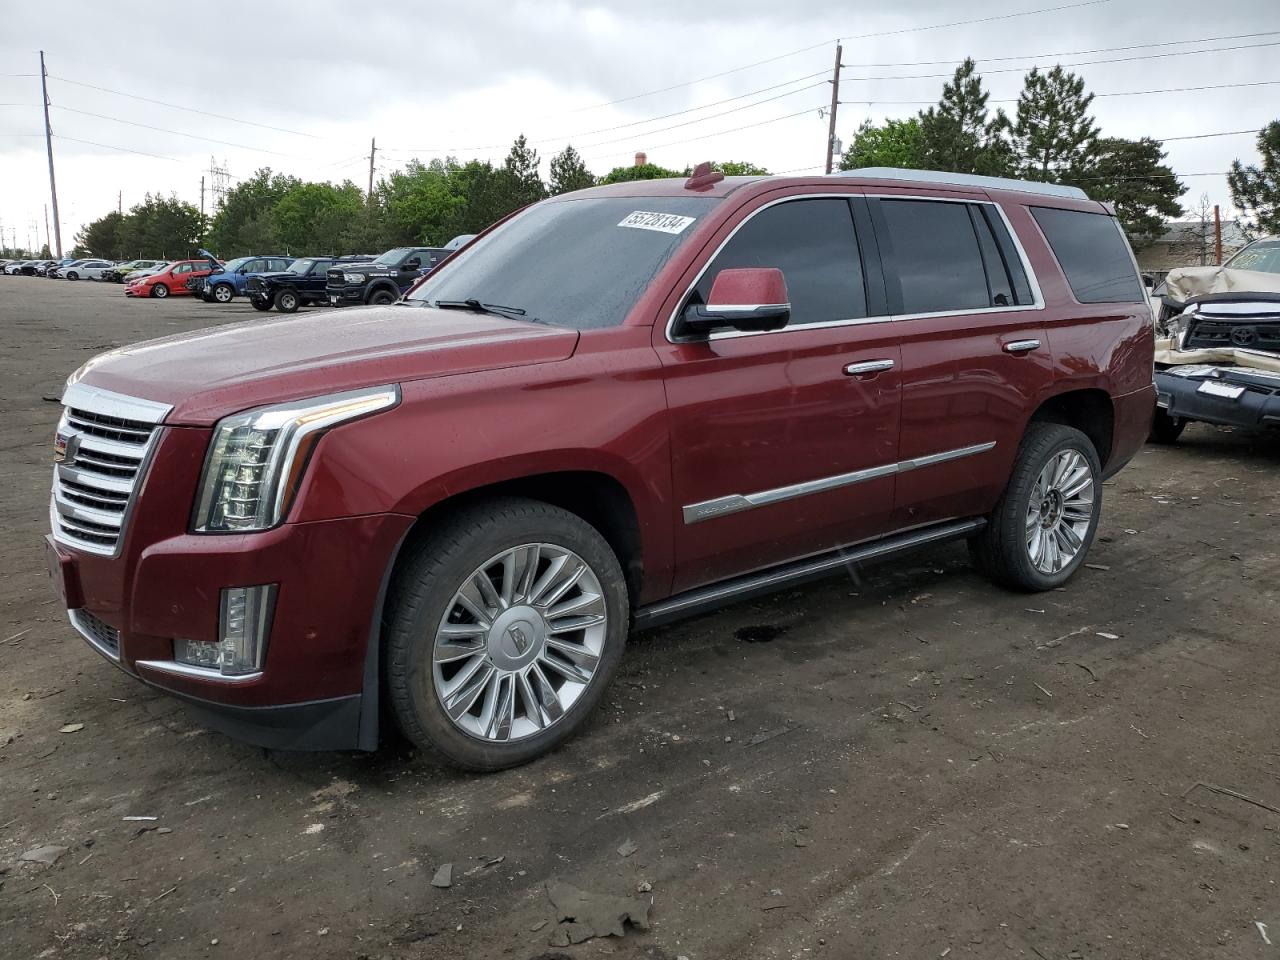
[{"x": 473, "y": 304}]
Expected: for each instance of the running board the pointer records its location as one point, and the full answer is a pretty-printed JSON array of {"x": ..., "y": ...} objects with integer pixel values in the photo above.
[{"x": 705, "y": 599}]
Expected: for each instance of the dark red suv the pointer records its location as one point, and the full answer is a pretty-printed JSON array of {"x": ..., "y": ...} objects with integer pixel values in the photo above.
[{"x": 614, "y": 408}]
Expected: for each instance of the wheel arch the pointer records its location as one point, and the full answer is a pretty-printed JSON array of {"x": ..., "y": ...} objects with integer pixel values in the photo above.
[
  {"x": 1089, "y": 410},
  {"x": 379, "y": 285}
]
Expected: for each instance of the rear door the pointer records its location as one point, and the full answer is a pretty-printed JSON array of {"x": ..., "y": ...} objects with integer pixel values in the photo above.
[
  {"x": 783, "y": 442},
  {"x": 975, "y": 356}
]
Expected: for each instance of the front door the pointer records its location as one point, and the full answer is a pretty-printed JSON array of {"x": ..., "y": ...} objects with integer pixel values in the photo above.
[{"x": 783, "y": 443}]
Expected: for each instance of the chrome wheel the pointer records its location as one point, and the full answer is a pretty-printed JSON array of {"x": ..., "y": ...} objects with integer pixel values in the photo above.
[
  {"x": 519, "y": 642},
  {"x": 1060, "y": 511},
  {"x": 222, "y": 293}
]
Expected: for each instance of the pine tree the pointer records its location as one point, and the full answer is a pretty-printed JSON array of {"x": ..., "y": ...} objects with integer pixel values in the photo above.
[
  {"x": 956, "y": 135},
  {"x": 568, "y": 172},
  {"x": 524, "y": 184},
  {"x": 1256, "y": 189},
  {"x": 1132, "y": 175},
  {"x": 1053, "y": 137}
]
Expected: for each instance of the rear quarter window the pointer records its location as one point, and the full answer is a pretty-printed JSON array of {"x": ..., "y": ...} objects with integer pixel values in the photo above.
[{"x": 1093, "y": 254}]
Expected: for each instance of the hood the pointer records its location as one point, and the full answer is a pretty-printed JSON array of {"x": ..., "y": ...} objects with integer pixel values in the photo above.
[
  {"x": 209, "y": 374},
  {"x": 276, "y": 275},
  {"x": 1190, "y": 283}
]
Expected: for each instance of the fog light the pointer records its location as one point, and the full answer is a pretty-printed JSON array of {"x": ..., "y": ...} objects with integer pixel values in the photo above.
[{"x": 244, "y": 621}]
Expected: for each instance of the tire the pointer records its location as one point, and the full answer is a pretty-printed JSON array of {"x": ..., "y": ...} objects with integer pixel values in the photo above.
[
  {"x": 223, "y": 293},
  {"x": 381, "y": 297},
  {"x": 159, "y": 291},
  {"x": 73, "y": 276},
  {"x": 287, "y": 300},
  {"x": 1006, "y": 549},
  {"x": 260, "y": 304},
  {"x": 423, "y": 599},
  {"x": 1166, "y": 429}
]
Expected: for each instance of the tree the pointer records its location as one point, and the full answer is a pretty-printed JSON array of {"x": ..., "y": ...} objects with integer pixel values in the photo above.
[
  {"x": 520, "y": 177},
  {"x": 1256, "y": 189},
  {"x": 161, "y": 227},
  {"x": 956, "y": 135},
  {"x": 317, "y": 217},
  {"x": 568, "y": 172},
  {"x": 244, "y": 223},
  {"x": 735, "y": 168},
  {"x": 1132, "y": 175},
  {"x": 647, "y": 171},
  {"x": 894, "y": 144},
  {"x": 104, "y": 236},
  {"x": 1052, "y": 137}
]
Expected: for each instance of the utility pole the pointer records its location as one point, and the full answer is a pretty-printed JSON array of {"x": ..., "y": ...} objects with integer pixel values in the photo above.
[
  {"x": 48, "y": 142},
  {"x": 119, "y": 201},
  {"x": 835, "y": 102},
  {"x": 202, "y": 196},
  {"x": 1217, "y": 234},
  {"x": 46, "y": 229},
  {"x": 373, "y": 149}
]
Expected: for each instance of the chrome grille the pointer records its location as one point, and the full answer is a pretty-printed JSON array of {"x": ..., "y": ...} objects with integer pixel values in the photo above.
[
  {"x": 102, "y": 635},
  {"x": 103, "y": 445}
]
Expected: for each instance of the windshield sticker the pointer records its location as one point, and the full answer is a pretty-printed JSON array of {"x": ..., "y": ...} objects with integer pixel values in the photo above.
[{"x": 662, "y": 222}]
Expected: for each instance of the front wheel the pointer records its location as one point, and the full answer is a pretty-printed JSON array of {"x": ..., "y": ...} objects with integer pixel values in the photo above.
[
  {"x": 73, "y": 276},
  {"x": 1043, "y": 526},
  {"x": 505, "y": 626},
  {"x": 223, "y": 293},
  {"x": 260, "y": 304},
  {"x": 1166, "y": 429},
  {"x": 159, "y": 291},
  {"x": 287, "y": 301},
  {"x": 381, "y": 297}
]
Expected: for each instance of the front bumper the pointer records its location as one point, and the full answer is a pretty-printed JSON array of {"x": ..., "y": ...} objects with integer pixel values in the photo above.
[
  {"x": 345, "y": 295},
  {"x": 1228, "y": 396},
  {"x": 318, "y": 686}
]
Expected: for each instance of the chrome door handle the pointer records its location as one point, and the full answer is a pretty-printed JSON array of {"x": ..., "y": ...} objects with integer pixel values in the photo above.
[
  {"x": 867, "y": 366},
  {"x": 1021, "y": 346}
]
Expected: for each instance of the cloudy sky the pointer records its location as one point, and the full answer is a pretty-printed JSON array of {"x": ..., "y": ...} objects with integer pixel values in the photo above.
[{"x": 303, "y": 88}]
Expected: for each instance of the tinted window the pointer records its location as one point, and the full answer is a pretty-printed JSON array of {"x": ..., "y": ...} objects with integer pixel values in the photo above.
[
  {"x": 1092, "y": 253},
  {"x": 999, "y": 286},
  {"x": 813, "y": 243},
  {"x": 935, "y": 249},
  {"x": 579, "y": 263}
]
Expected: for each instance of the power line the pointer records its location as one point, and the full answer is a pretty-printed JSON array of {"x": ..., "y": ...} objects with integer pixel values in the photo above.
[
  {"x": 176, "y": 106},
  {"x": 177, "y": 133},
  {"x": 1115, "y": 93},
  {"x": 1206, "y": 136},
  {"x": 718, "y": 133},
  {"x": 92, "y": 143},
  {"x": 1082, "y": 63}
]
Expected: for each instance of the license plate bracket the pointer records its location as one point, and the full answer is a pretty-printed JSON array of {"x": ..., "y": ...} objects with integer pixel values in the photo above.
[
  {"x": 63, "y": 574},
  {"x": 1227, "y": 391}
]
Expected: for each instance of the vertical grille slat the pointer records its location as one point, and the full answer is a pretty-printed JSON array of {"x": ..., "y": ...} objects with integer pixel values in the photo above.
[{"x": 106, "y": 439}]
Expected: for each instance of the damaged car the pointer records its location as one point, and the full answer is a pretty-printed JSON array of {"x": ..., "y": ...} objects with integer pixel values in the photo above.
[{"x": 1218, "y": 344}]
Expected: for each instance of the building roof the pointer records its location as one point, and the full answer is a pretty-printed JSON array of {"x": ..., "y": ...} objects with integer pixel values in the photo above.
[{"x": 1190, "y": 231}]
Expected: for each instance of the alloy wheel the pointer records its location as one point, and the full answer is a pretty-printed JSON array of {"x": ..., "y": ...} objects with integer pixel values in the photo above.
[
  {"x": 222, "y": 293},
  {"x": 519, "y": 642},
  {"x": 1060, "y": 511}
]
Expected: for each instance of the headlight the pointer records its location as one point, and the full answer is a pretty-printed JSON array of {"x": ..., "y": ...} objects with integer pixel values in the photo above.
[
  {"x": 353, "y": 277},
  {"x": 256, "y": 459}
]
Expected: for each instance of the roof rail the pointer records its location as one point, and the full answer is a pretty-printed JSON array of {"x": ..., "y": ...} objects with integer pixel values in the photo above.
[{"x": 967, "y": 180}]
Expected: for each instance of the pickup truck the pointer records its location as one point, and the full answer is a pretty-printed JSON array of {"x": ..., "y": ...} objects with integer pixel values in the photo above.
[
  {"x": 452, "y": 510},
  {"x": 382, "y": 280},
  {"x": 303, "y": 282}
]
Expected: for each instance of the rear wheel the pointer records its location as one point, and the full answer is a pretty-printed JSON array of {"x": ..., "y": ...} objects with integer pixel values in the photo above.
[
  {"x": 382, "y": 297},
  {"x": 1166, "y": 429},
  {"x": 159, "y": 291},
  {"x": 504, "y": 627},
  {"x": 223, "y": 293},
  {"x": 287, "y": 301},
  {"x": 1043, "y": 526}
]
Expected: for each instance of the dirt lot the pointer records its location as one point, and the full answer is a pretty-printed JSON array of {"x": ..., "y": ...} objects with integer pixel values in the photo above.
[{"x": 908, "y": 763}]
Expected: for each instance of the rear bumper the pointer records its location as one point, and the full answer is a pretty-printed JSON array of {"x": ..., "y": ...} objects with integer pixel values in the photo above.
[
  {"x": 1131, "y": 426},
  {"x": 1256, "y": 406}
]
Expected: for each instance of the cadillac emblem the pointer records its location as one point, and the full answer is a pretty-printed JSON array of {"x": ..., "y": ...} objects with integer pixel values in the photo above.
[{"x": 65, "y": 446}]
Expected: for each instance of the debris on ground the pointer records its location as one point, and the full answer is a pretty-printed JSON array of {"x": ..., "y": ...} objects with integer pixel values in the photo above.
[
  {"x": 760, "y": 738},
  {"x": 443, "y": 877},
  {"x": 71, "y": 728},
  {"x": 47, "y": 854},
  {"x": 627, "y": 848},
  {"x": 581, "y": 915}
]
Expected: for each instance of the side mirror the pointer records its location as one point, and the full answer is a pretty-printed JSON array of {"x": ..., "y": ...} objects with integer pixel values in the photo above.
[
  {"x": 413, "y": 263},
  {"x": 752, "y": 299}
]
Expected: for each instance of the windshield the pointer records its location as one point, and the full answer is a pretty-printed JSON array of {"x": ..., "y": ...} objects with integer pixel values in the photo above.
[
  {"x": 232, "y": 265},
  {"x": 573, "y": 263},
  {"x": 1263, "y": 256},
  {"x": 300, "y": 266},
  {"x": 392, "y": 257}
]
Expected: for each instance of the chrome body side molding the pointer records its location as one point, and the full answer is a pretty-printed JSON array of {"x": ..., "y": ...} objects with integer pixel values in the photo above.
[{"x": 737, "y": 502}]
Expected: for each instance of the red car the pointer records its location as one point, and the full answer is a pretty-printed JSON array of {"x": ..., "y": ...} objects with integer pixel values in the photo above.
[
  {"x": 614, "y": 408},
  {"x": 171, "y": 280}
]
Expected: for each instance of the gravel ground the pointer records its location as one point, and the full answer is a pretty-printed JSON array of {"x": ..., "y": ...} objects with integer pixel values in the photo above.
[{"x": 907, "y": 763}]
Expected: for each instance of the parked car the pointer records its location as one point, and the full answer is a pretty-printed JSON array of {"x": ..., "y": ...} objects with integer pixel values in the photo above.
[
  {"x": 1218, "y": 344},
  {"x": 286, "y": 290},
  {"x": 224, "y": 284},
  {"x": 170, "y": 280},
  {"x": 89, "y": 268},
  {"x": 454, "y": 508},
  {"x": 15, "y": 267},
  {"x": 120, "y": 272},
  {"x": 382, "y": 280},
  {"x": 41, "y": 268}
]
